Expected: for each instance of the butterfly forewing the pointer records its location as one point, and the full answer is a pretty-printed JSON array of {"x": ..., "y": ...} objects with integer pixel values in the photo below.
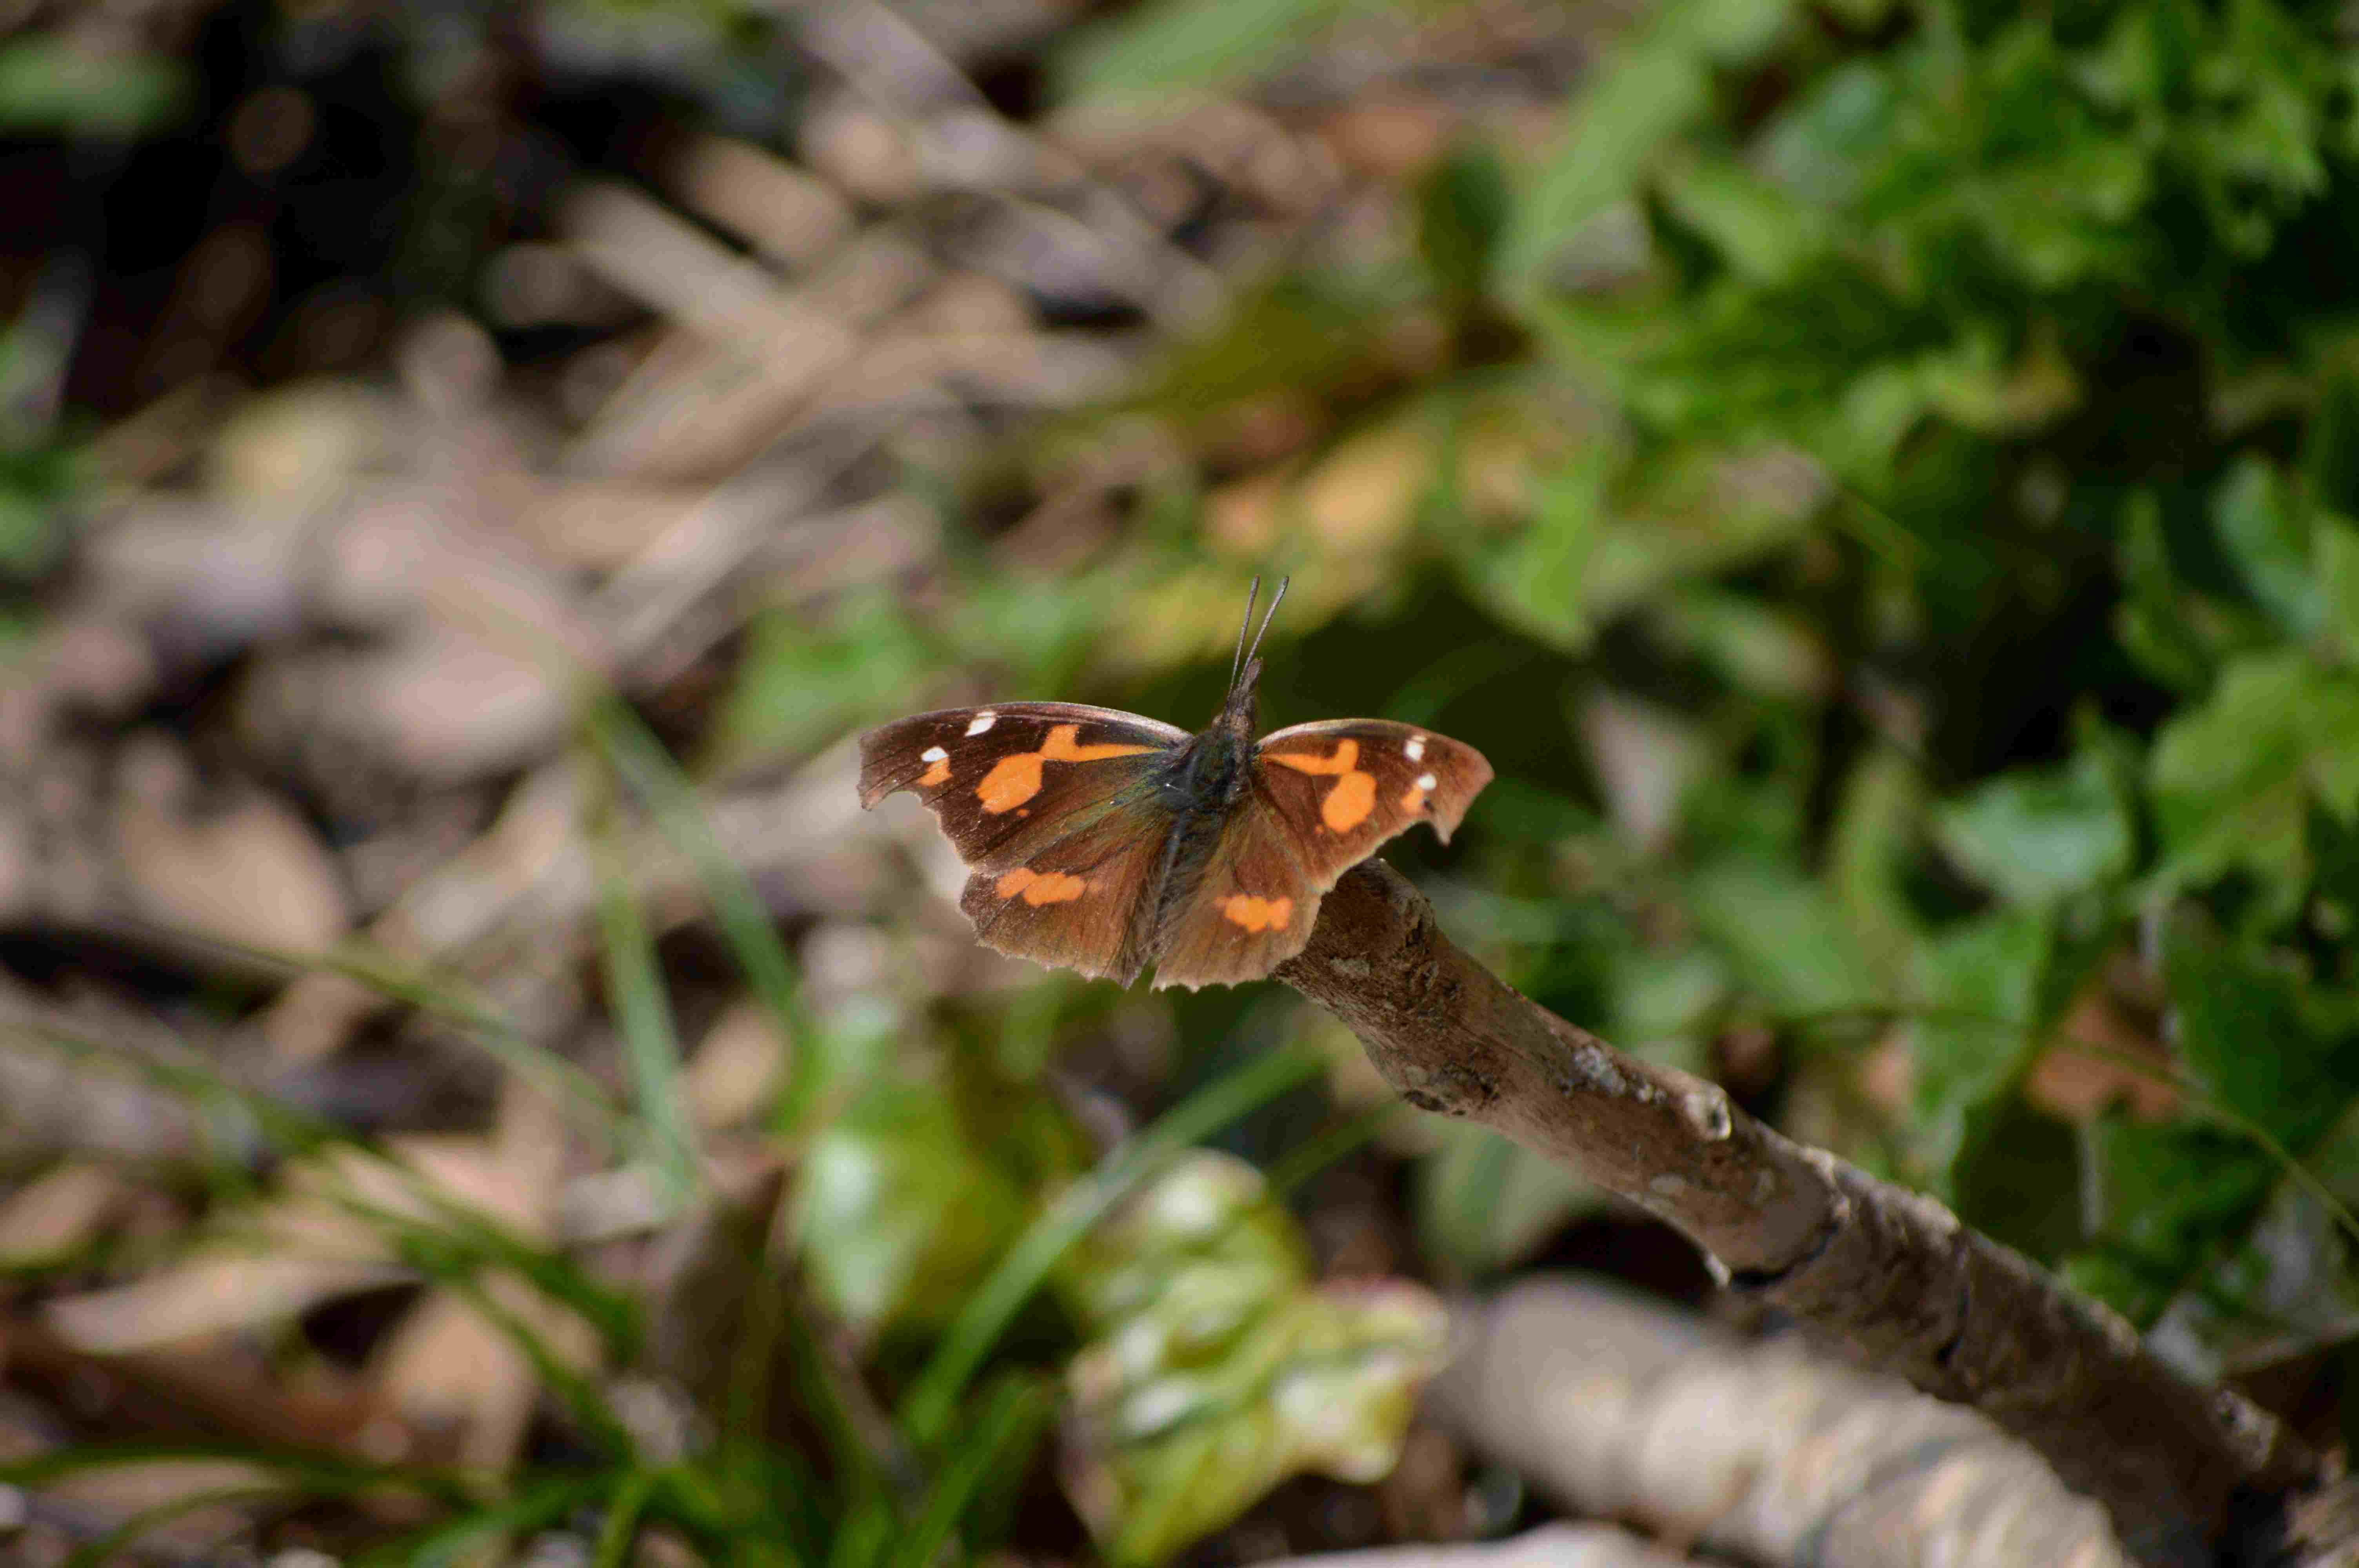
[
  {"x": 1008, "y": 781},
  {"x": 1345, "y": 785}
]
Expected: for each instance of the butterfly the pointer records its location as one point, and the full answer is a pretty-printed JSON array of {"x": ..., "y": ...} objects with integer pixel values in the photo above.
[{"x": 1103, "y": 841}]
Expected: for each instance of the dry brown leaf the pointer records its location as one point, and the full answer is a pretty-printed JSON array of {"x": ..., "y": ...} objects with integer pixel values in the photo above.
[
  {"x": 446, "y": 1365},
  {"x": 602, "y": 523},
  {"x": 58, "y": 1213},
  {"x": 1243, "y": 516},
  {"x": 2079, "y": 1084},
  {"x": 768, "y": 202},
  {"x": 1394, "y": 140},
  {"x": 1363, "y": 496},
  {"x": 255, "y": 875},
  {"x": 734, "y": 1075},
  {"x": 117, "y": 1492},
  {"x": 449, "y": 1364},
  {"x": 210, "y": 1294}
]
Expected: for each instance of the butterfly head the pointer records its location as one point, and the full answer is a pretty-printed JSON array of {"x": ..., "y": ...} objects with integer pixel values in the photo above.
[{"x": 1240, "y": 711}]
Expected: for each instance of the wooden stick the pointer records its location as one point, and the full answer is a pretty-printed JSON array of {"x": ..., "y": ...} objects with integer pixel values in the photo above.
[{"x": 1888, "y": 1273}]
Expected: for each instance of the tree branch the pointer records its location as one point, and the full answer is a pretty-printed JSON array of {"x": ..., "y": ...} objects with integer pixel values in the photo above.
[{"x": 1887, "y": 1272}]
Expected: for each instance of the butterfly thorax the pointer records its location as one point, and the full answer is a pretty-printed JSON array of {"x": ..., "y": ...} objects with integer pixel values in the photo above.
[{"x": 1215, "y": 768}]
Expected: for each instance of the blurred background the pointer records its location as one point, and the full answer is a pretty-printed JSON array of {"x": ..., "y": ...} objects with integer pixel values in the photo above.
[{"x": 1877, "y": 478}]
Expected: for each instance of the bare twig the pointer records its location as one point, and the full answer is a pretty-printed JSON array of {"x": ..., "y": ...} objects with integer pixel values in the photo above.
[
  {"x": 1889, "y": 1274},
  {"x": 1763, "y": 1451}
]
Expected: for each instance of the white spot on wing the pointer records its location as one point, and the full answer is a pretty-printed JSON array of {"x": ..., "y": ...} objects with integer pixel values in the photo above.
[
  {"x": 982, "y": 721},
  {"x": 1425, "y": 781},
  {"x": 1414, "y": 749},
  {"x": 933, "y": 754}
]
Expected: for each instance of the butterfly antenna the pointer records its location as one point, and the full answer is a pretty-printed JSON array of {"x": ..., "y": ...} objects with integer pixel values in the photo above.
[
  {"x": 1268, "y": 616},
  {"x": 1238, "y": 662}
]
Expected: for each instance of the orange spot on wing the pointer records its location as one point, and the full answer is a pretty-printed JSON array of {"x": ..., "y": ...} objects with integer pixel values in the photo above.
[
  {"x": 1350, "y": 802},
  {"x": 1346, "y": 758},
  {"x": 1354, "y": 795},
  {"x": 1038, "y": 888},
  {"x": 1257, "y": 914},
  {"x": 1057, "y": 887},
  {"x": 1060, "y": 747},
  {"x": 1015, "y": 779},
  {"x": 1412, "y": 799},
  {"x": 939, "y": 773},
  {"x": 1011, "y": 781}
]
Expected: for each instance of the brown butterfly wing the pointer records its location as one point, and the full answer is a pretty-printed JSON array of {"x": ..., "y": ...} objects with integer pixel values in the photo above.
[
  {"x": 1084, "y": 903},
  {"x": 1323, "y": 797},
  {"x": 1007, "y": 780},
  {"x": 1345, "y": 785},
  {"x": 1250, "y": 910},
  {"x": 1057, "y": 806}
]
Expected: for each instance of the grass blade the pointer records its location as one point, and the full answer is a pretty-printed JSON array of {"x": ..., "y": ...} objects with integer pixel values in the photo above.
[
  {"x": 933, "y": 1399},
  {"x": 445, "y": 999},
  {"x": 624, "y": 1511},
  {"x": 1011, "y": 1419},
  {"x": 303, "y": 1472},
  {"x": 649, "y": 771},
  {"x": 444, "y": 1545},
  {"x": 112, "y": 1546},
  {"x": 643, "y": 1018}
]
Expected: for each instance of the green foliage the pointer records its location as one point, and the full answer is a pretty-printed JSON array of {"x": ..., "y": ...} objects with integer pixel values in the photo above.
[
  {"x": 51, "y": 86},
  {"x": 1217, "y": 1368},
  {"x": 1951, "y": 434},
  {"x": 2038, "y": 296},
  {"x": 1189, "y": 44}
]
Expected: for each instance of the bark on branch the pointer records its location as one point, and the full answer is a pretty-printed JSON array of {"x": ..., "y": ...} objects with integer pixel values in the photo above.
[{"x": 1889, "y": 1274}]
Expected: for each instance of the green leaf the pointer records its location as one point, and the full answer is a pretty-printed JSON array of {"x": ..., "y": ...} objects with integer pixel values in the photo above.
[
  {"x": 2233, "y": 778},
  {"x": 1463, "y": 209},
  {"x": 1823, "y": 146},
  {"x": 2336, "y": 543},
  {"x": 993, "y": 1305},
  {"x": 2265, "y": 528},
  {"x": 1784, "y": 938},
  {"x": 2266, "y": 1044},
  {"x": 1983, "y": 988},
  {"x": 2034, "y": 837},
  {"x": 897, "y": 1211},
  {"x": 1637, "y": 103},
  {"x": 1538, "y": 582},
  {"x": 2167, "y": 1198},
  {"x": 1216, "y": 1369},
  {"x": 1757, "y": 228},
  {"x": 2153, "y": 620}
]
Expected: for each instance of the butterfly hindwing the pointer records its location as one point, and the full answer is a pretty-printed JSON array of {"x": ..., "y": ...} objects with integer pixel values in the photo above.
[
  {"x": 1345, "y": 785},
  {"x": 1248, "y": 910},
  {"x": 1008, "y": 781},
  {"x": 1085, "y": 901}
]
